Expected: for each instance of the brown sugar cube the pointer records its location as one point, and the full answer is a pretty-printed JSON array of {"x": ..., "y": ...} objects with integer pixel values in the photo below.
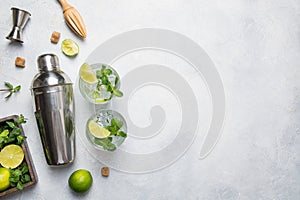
[
  {"x": 55, "y": 37},
  {"x": 105, "y": 171},
  {"x": 20, "y": 62}
]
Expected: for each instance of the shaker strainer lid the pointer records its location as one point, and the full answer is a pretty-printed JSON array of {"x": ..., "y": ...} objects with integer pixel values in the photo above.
[
  {"x": 48, "y": 62},
  {"x": 49, "y": 72}
]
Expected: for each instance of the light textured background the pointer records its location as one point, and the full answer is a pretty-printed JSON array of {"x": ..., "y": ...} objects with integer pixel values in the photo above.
[{"x": 256, "y": 48}]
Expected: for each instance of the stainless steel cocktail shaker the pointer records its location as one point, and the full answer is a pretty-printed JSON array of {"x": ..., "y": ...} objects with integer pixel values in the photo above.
[{"x": 52, "y": 91}]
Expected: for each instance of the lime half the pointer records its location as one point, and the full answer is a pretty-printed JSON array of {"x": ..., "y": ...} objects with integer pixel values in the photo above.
[
  {"x": 97, "y": 131},
  {"x": 69, "y": 47},
  {"x": 4, "y": 179},
  {"x": 11, "y": 156}
]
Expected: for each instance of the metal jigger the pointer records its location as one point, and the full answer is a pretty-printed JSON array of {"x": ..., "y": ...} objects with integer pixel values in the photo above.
[{"x": 20, "y": 18}]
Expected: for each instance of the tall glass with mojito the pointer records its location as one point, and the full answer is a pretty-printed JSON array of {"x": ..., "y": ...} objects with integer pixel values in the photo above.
[
  {"x": 106, "y": 129},
  {"x": 99, "y": 83}
]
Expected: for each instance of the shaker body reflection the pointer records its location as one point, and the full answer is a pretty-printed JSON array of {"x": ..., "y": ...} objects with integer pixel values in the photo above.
[{"x": 54, "y": 111}]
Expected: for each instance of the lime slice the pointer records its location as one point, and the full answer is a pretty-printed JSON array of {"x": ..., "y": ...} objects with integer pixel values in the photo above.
[
  {"x": 69, "y": 47},
  {"x": 11, "y": 156},
  {"x": 97, "y": 131}
]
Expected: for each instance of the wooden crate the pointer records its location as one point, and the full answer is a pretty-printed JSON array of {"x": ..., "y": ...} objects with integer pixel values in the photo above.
[{"x": 27, "y": 160}]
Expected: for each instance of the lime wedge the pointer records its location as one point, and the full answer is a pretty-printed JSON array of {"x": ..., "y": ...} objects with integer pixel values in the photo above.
[
  {"x": 86, "y": 74},
  {"x": 97, "y": 131},
  {"x": 100, "y": 100},
  {"x": 88, "y": 77},
  {"x": 69, "y": 47},
  {"x": 11, "y": 156},
  {"x": 85, "y": 67}
]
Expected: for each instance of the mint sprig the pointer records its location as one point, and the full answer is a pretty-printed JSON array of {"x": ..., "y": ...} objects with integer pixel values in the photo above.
[
  {"x": 19, "y": 176},
  {"x": 10, "y": 89},
  {"x": 103, "y": 79},
  {"x": 106, "y": 143},
  {"x": 114, "y": 128},
  {"x": 10, "y": 133}
]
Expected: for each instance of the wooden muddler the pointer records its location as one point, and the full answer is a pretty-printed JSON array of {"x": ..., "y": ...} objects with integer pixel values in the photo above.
[{"x": 73, "y": 19}]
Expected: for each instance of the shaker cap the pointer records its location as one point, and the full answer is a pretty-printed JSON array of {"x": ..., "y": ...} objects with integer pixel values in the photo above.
[
  {"x": 48, "y": 62},
  {"x": 49, "y": 72}
]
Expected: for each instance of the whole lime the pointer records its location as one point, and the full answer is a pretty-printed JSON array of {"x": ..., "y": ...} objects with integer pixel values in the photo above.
[
  {"x": 4, "y": 179},
  {"x": 80, "y": 181}
]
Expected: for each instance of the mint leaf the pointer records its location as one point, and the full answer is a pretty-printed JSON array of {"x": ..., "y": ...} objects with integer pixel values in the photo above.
[
  {"x": 15, "y": 132},
  {"x": 104, "y": 80},
  {"x": 107, "y": 72},
  {"x": 25, "y": 178},
  {"x": 17, "y": 88},
  {"x": 110, "y": 147},
  {"x": 102, "y": 69},
  {"x": 106, "y": 143},
  {"x": 109, "y": 88},
  {"x": 117, "y": 124},
  {"x": 13, "y": 180},
  {"x": 21, "y": 120},
  {"x": 117, "y": 92},
  {"x": 19, "y": 185},
  {"x": 11, "y": 124},
  {"x": 10, "y": 93},
  {"x": 13, "y": 184},
  {"x": 122, "y": 134},
  {"x": 116, "y": 80},
  {"x": 20, "y": 139},
  {"x": 17, "y": 172},
  {"x": 9, "y": 85},
  {"x": 25, "y": 169},
  {"x": 4, "y": 133},
  {"x": 98, "y": 74}
]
